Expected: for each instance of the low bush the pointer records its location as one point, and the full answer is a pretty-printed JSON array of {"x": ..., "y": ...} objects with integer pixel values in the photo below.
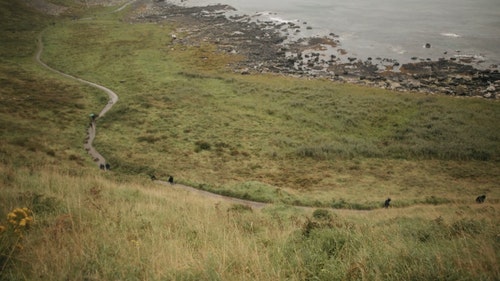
[
  {"x": 202, "y": 145},
  {"x": 239, "y": 208},
  {"x": 322, "y": 214},
  {"x": 18, "y": 223}
]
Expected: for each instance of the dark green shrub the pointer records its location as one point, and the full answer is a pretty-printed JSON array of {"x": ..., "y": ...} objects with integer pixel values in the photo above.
[
  {"x": 435, "y": 200},
  {"x": 239, "y": 208},
  {"x": 148, "y": 139},
  {"x": 322, "y": 214},
  {"x": 202, "y": 145},
  {"x": 339, "y": 204}
]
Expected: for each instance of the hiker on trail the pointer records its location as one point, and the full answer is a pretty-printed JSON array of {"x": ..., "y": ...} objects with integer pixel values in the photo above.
[
  {"x": 153, "y": 177},
  {"x": 387, "y": 203},
  {"x": 108, "y": 167},
  {"x": 171, "y": 179},
  {"x": 92, "y": 116}
]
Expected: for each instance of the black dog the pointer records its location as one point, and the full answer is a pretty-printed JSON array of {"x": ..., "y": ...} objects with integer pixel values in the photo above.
[
  {"x": 387, "y": 203},
  {"x": 480, "y": 199},
  {"x": 171, "y": 180}
]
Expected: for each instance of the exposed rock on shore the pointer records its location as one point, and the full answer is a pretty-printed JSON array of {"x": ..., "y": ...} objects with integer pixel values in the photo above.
[
  {"x": 46, "y": 7},
  {"x": 267, "y": 48}
]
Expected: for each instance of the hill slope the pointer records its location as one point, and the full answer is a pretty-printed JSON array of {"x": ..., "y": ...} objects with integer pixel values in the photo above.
[{"x": 265, "y": 137}]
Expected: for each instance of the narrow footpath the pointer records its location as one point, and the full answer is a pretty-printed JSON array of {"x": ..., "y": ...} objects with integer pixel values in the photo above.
[
  {"x": 91, "y": 130},
  {"x": 91, "y": 133}
]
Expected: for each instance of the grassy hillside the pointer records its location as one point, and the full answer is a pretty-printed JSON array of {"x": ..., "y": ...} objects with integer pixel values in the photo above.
[
  {"x": 266, "y": 137},
  {"x": 91, "y": 228},
  {"x": 182, "y": 112}
]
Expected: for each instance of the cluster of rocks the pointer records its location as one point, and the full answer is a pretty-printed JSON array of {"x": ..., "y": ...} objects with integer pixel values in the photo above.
[
  {"x": 258, "y": 42},
  {"x": 266, "y": 47},
  {"x": 46, "y": 7}
]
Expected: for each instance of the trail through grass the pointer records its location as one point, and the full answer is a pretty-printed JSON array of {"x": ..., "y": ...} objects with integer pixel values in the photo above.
[
  {"x": 276, "y": 139},
  {"x": 327, "y": 143}
]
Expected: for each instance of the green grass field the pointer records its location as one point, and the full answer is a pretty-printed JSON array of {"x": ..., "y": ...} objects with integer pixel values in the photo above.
[
  {"x": 339, "y": 149},
  {"x": 319, "y": 140}
]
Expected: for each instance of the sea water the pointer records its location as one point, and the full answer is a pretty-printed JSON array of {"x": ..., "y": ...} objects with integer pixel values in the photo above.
[{"x": 393, "y": 29}]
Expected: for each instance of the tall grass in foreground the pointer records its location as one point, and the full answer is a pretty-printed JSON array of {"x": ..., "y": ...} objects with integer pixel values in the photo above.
[{"x": 90, "y": 227}]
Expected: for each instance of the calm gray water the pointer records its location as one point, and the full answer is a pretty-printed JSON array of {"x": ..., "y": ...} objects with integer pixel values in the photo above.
[{"x": 396, "y": 29}]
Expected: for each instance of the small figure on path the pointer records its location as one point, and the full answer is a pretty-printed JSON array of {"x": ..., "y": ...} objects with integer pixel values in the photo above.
[
  {"x": 108, "y": 167},
  {"x": 171, "y": 179},
  {"x": 153, "y": 177},
  {"x": 480, "y": 199},
  {"x": 101, "y": 166},
  {"x": 387, "y": 203}
]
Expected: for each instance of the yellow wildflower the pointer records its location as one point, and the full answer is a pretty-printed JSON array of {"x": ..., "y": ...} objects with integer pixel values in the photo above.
[
  {"x": 20, "y": 218},
  {"x": 135, "y": 242},
  {"x": 21, "y": 212},
  {"x": 11, "y": 216}
]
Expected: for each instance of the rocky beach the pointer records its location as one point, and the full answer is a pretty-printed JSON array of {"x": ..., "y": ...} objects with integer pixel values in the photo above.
[{"x": 272, "y": 47}]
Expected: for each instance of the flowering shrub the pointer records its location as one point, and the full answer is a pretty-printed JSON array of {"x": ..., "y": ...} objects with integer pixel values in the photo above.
[{"x": 19, "y": 221}]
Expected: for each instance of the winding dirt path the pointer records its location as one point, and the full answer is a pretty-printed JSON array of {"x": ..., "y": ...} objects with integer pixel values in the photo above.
[
  {"x": 91, "y": 133},
  {"x": 91, "y": 130},
  {"x": 113, "y": 99},
  {"x": 253, "y": 204},
  {"x": 100, "y": 160}
]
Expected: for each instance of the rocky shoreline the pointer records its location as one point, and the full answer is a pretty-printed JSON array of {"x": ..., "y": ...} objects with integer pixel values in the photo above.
[{"x": 268, "y": 48}]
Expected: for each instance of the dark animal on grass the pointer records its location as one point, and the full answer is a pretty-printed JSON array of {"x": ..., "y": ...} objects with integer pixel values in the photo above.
[
  {"x": 387, "y": 203},
  {"x": 101, "y": 166},
  {"x": 108, "y": 167},
  {"x": 171, "y": 180},
  {"x": 153, "y": 177},
  {"x": 480, "y": 199}
]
